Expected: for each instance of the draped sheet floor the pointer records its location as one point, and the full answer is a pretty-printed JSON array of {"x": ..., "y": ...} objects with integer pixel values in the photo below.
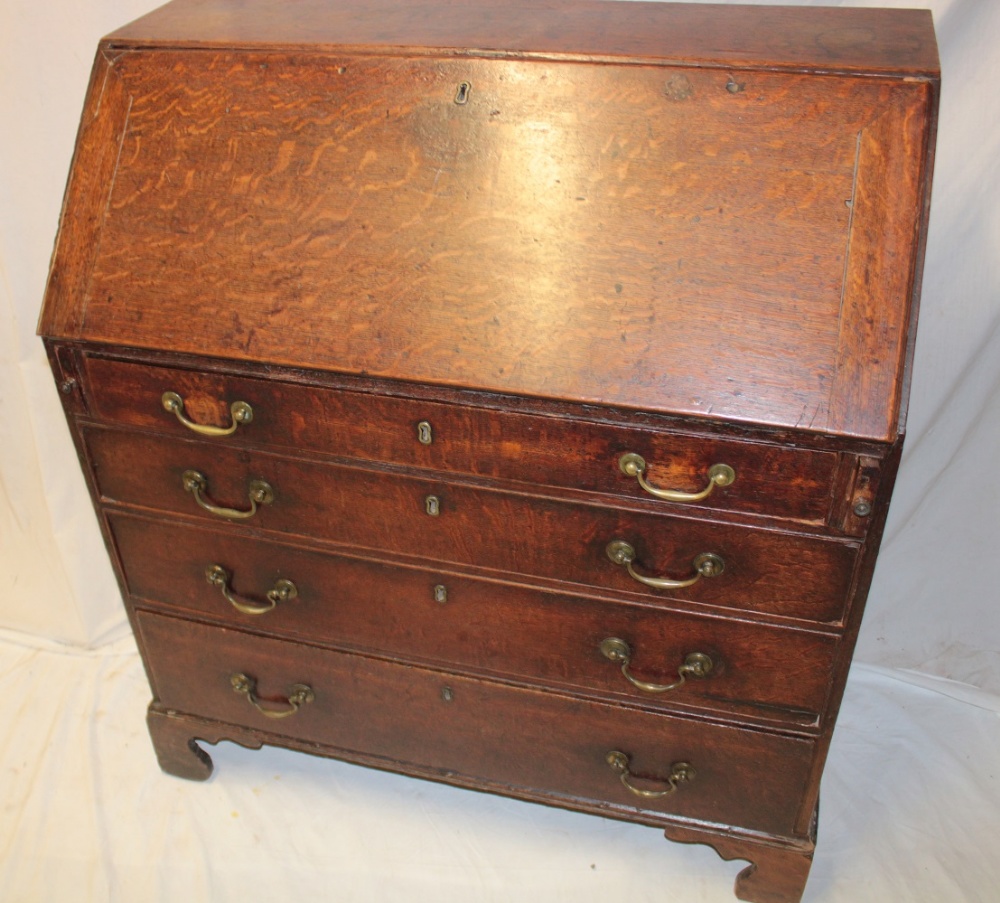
[{"x": 910, "y": 810}]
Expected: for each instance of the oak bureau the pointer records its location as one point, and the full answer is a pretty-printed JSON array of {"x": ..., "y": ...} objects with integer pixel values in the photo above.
[{"x": 507, "y": 394}]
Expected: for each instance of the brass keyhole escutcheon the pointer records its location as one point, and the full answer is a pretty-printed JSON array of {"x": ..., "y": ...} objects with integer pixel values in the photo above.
[
  {"x": 432, "y": 505},
  {"x": 425, "y": 435},
  {"x": 462, "y": 94}
]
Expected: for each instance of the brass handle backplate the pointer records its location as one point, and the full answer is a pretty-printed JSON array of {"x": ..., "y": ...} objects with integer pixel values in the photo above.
[
  {"x": 707, "y": 564},
  {"x": 680, "y": 773},
  {"x": 298, "y": 696},
  {"x": 196, "y": 483},
  {"x": 282, "y": 591},
  {"x": 696, "y": 664},
  {"x": 240, "y": 411},
  {"x": 633, "y": 465}
]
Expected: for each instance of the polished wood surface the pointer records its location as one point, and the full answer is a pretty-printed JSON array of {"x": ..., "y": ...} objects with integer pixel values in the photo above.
[
  {"x": 760, "y": 672},
  {"x": 778, "y": 871},
  {"x": 862, "y": 40},
  {"x": 553, "y": 233},
  {"x": 344, "y": 213},
  {"x": 486, "y": 529},
  {"x": 550, "y": 448},
  {"x": 481, "y": 729}
]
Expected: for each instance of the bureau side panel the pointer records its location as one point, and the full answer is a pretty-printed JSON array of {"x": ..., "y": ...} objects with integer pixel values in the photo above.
[
  {"x": 91, "y": 177},
  {"x": 884, "y": 259}
]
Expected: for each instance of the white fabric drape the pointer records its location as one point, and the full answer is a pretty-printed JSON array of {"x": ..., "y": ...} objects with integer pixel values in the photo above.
[{"x": 908, "y": 813}]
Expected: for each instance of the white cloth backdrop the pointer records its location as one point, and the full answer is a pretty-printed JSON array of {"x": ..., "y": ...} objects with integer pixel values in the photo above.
[{"x": 933, "y": 608}]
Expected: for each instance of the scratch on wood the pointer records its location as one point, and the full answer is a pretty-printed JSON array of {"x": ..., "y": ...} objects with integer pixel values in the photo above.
[
  {"x": 112, "y": 60},
  {"x": 118, "y": 157},
  {"x": 850, "y": 222},
  {"x": 107, "y": 205}
]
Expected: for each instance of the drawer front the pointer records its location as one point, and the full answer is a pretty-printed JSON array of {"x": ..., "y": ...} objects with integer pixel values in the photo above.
[
  {"x": 429, "y": 616},
  {"x": 770, "y": 480},
  {"x": 526, "y": 740},
  {"x": 784, "y": 574}
]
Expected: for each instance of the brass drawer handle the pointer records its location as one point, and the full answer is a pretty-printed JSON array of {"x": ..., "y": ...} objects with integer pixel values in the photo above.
[
  {"x": 298, "y": 695},
  {"x": 707, "y": 564},
  {"x": 680, "y": 773},
  {"x": 241, "y": 413},
  {"x": 196, "y": 483},
  {"x": 282, "y": 591},
  {"x": 696, "y": 664},
  {"x": 633, "y": 465}
]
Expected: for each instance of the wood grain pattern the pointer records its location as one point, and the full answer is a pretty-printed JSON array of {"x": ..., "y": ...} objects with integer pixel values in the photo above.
[
  {"x": 95, "y": 159},
  {"x": 489, "y": 530},
  {"x": 557, "y": 231},
  {"x": 503, "y": 734},
  {"x": 773, "y": 675},
  {"x": 887, "y": 206},
  {"x": 777, "y": 872},
  {"x": 175, "y": 747},
  {"x": 862, "y": 40},
  {"x": 558, "y": 450},
  {"x": 344, "y": 213}
]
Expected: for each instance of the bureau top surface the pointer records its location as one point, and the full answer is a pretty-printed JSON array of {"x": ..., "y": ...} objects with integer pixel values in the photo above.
[
  {"x": 719, "y": 239},
  {"x": 865, "y": 40}
]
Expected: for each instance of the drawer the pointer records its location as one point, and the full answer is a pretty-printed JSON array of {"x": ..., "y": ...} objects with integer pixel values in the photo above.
[
  {"x": 779, "y": 573},
  {"x": 540, "y": 744},
  {"x": 768, "y": 673},
  {"x": 770, "y": 480}
]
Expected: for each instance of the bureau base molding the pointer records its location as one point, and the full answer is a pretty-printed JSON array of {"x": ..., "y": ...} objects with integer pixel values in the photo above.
[
  {"x": 175, "y": 739},
  {"x": 777, "y": 872},
  {"x": 778, "y": 867}
]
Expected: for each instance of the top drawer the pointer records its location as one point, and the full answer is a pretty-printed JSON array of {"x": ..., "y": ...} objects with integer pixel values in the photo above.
[{"x": 770, "y": 480}]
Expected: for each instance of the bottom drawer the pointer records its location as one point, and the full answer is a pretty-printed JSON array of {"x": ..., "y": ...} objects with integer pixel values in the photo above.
[{"x": 539, "y": 743}]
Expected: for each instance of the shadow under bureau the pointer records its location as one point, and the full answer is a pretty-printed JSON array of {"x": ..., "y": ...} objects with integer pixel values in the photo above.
[{"x": 504, "y": 395}]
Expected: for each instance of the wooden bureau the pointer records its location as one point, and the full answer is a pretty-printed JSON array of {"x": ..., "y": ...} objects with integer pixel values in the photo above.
[{"x": 508, "y": 395}]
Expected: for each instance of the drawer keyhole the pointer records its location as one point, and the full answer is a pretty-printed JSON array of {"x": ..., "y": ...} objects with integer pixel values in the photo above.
[
  {"x": 462, "y": 94},
  {"x": 432, "y": 505}
]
